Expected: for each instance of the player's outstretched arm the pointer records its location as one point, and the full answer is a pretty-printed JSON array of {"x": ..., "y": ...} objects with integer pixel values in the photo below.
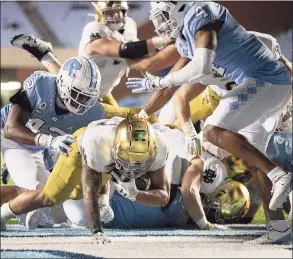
[
  {"x": 161, "y": 97},
  {"x": 159, "y": 193},
  {"x": 15, "y": 128},
  {"x": 162, "y": 59},
  {"x": 91, "y": 185},
  {"x": 131, "y": 50}
]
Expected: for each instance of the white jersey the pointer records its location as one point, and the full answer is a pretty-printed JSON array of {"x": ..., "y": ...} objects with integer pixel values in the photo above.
[
  {"x": 111, "y": 68},
  {"x": 96, "y": 143},
  {"x": 215, "y": 171}
]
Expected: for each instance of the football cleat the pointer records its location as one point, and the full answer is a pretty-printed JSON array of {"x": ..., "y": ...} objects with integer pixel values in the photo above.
[
  {"x": 33, "y": 218},
  {"x": 36, "y": 47},
  {"x": 278, "y": 233},
  {"x": 280, "y": 191}
]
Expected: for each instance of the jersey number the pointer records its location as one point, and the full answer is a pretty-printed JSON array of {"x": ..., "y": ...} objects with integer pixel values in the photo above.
[
  {"x": 37, "y": 123},
  {"x": 200, "y": 12}
]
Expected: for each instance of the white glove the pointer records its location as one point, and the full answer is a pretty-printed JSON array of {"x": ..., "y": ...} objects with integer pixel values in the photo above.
[
  {"x": 148, "y": 84},
  {"x": 126, "y": 189},
  {"x": 192, "y": 144},
  {"x": 58, "y": 145},
  {"x": 192, "y": 141},
  {"x": 99, "y": 238},
  {"x": 106, "y": 213}
]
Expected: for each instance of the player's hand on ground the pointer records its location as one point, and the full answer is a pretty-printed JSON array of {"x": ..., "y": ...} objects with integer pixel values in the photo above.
[
  {"x": 106, "y": 213},
  {"x": 61, "y": 144},
  {"x": 126, "y": 189},
  {"x": 192, "y": 144},
  {"x": 150, "y": 83},
  {"x": 219, "y": 227},
  {"x": 99, "y": 238}
]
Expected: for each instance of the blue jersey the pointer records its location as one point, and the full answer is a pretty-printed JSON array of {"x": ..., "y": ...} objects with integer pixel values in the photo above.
[
  {"x": 280, "y": 149},
  {"x": 239, "y": 55},
  {"x": 41, "y": 91},
  {"x": 128, "y": 214}
]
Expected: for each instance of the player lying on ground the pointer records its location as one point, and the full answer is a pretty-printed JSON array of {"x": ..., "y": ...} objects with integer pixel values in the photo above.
[
  {"x": 111, "y": 42},
  {"x": 128, "y": 148},
  {"x": 260, "y": 93},
  {"x": 126, "y": 214}
]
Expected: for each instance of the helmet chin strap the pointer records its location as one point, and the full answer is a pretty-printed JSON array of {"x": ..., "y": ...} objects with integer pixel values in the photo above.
[{"x": 61, "y": 108}]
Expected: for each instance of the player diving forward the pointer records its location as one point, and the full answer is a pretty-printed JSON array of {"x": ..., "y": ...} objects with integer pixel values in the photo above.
[
  {"x": 129, "y": 213},
  {"x": 210, "y": 37},
  {"x": 125, "y": 148},
  {"x": 110, "y": 41}
]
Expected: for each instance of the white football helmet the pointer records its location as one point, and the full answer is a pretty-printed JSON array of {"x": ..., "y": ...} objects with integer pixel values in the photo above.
[
  {"x": 168, "y": 17},
  {"x": 78, "y": 84}
]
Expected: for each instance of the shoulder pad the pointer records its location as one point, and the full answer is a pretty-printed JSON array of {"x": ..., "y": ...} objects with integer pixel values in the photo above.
[{"x": 97, "y": 30}]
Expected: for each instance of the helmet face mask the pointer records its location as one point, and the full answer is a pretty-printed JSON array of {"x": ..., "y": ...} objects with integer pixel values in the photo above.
[
  {"x": 134, "y": 148},
  {"x": 112, "y": 13},
  {"x": 168, "y": 18},
  {"x": 78, "y": 83},
  {"x": 228, "y": 203}
]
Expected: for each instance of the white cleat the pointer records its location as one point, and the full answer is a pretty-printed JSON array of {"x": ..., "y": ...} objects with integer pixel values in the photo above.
[
  {"x": 281, "y": 189},
  {"x": 33, "y": 218},
  {"x": 36, "y": 47},
  {"x": 3, "y": 224},
  {"x": 279, "y": 234},
  {"x": 46, "y": 221}
]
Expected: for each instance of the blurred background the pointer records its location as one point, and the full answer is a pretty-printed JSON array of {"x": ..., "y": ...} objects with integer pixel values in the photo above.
[{"x": 61, "y": 23}]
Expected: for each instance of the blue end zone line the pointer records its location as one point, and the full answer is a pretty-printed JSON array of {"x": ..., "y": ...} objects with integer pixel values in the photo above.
[
  {"x": 21, "y": 231},
  {"x": 9, "y": 253}
]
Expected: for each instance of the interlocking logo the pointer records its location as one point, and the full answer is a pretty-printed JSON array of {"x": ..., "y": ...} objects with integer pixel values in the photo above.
[{"x": 209, "y": 176}]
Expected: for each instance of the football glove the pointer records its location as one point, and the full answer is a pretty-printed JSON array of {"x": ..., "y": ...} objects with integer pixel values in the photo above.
[{"x": 126, "y": 189}]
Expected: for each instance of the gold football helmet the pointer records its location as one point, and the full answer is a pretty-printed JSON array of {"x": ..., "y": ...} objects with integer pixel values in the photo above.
[
  {"x": 106, "y": 12},
  {"x": 228, "y": 203},
  {"x": 134, "y": 147},
  {"x": 237, "y": 170}
]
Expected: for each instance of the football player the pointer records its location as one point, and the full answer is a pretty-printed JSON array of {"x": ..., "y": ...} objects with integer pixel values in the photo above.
[
  {"x": 212, "y": 39},
  {"x": 128, "y": 214},
  {"x": 109, "y": 41},
  {"x": 42, "y": 117},
  {"x": 128, "y": 148}
]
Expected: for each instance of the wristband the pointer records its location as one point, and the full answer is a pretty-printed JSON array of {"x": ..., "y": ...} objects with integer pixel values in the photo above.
[
  {"x": 203, "y": 223},
  {"x": 43, "y": 140},
  {"x": 143, "y": 114}
]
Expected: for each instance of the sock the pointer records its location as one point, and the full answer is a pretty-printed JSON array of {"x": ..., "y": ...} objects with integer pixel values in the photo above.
[
  {"x": 6, "y": 212},
  {"x": 48, "y": 59},
  {"x": 276, "y": 173}
]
